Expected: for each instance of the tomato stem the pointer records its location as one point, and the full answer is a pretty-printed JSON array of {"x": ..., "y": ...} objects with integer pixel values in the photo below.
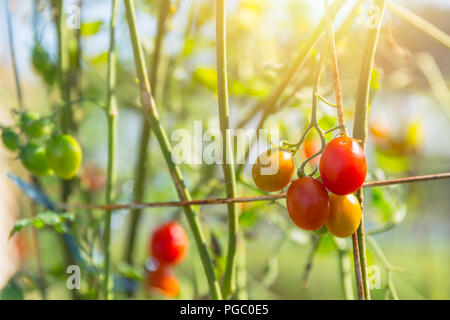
[
  {"x": 112, "y": 115},
  {"x": 151, "y": 112},
  {"x": 229, "y": 280},
  {"x": 142, "y": 165},
  {"x": 360, "y": 126}
]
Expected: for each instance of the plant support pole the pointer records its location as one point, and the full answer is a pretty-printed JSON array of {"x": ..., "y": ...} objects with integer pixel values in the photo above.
[
  {"x": 111, "y": 114},
  {"x": 151, "y": 112},
  {"x": 361, "y": 114},
  {"x": 229, "y": 280}
]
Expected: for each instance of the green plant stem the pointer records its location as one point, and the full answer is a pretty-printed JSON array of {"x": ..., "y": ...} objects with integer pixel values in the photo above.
[
  {"x": 360, "y": 127},
  {"x": 345, "y": 269},
  {"x": 112, "y": 114},
  {"x": 142, "y": 161},
  {"x": 228, "y": 285},
  {"x": 13, "y": 55},
  {"x": 151, "y": 112},
  {"x": 419, "y": 23},
  {"x": 63, "y": 64},
  {"x": 336, "y": 79},
  {"x": 389, "y": 268},
  {"x": 66, "y": 112},
  {"x": 309, "y": 262},
  {"x": 300, "y": 59},
  {"x": 241, "y": 271}
]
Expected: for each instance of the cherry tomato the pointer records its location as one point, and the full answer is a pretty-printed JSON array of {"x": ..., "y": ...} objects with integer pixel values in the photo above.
[
  {"x": 310, "y": 148},
  {"x": 38, "y": 129},
  {"x": 163, "y": 280},
  {"x": 273, "y": 169},
  {"x": 169, "y": 243},
  {"x": 308, "y": 203},
  {"x": 33, "y": 158},
  {"x": 343, "y": 166},
  {"x": 64, "y": 156},
  {"x": 345, "y": 215},
  {"x": 379, "y": 130},
  {"x": 9, "y": 138}
]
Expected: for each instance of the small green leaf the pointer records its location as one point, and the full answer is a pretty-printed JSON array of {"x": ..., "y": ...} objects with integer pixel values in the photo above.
[
  {"x": 375, "y": 79},
  {"x": 247, "y": 218},
  {"x": 101, "y": 58},
  {"x": 19, "y": 225},
  {"x": 47, "y": 218},
  {"x": 90, "y": 28},
  {"x": 207, "y": 77}
]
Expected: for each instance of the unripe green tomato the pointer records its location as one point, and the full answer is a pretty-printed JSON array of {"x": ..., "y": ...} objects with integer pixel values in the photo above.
[
  {"x": 33, "y": 158},
  {"x": 26, "y": 119},
  {"x": 64, "y": 155},
  {"x": 39, "y": 58},
  {"x": 38, "y": 129},
  {"x": 9, "y": 138}
]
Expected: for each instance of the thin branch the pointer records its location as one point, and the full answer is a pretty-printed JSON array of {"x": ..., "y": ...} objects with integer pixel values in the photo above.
[
  {"x": 334, "y": 62},
  {"x": 419, "y": 23},
  {"x": 217, "y": 201},
  {"x": 111, "y": 113},
  {"x": 13, "y": 54},
  {"x": 309, "y": 261}
]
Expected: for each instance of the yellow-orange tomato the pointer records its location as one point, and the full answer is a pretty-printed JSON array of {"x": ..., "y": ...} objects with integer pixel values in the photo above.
[
  {"x": 345, "y": 215},
  {"x": 273, "y": 170},
  {"x": 308, "y": 203}
]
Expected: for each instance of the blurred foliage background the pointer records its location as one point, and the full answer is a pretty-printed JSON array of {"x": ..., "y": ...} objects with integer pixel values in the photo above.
[{"x": 408, "y": 136}]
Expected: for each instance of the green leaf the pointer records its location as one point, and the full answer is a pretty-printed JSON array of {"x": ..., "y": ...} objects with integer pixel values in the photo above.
[
  {"x": 207, "y": 77},
  {"x": 101, "y": 58},
  {"x": 392, "y": 163},
  {"x": 90, "y": 28},
  {"x": 248, "y": 218},
  {"x": 128, "y": 271},
  {"x": 45, "y": 219},
  {"x": 12, "y": 291},
  {"x": 375, "y": 79}
]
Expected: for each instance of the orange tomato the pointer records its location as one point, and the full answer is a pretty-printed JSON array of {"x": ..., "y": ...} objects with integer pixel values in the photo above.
[
  {"x": 310, "y": 148},
  {"x": 163, "y": 281},
  {"x": 345, "y": 215},
  {"x": 273, "y": 169}
]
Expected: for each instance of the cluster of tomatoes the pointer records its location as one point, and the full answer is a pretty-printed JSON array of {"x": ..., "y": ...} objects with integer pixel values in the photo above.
[
  {"x": 168, "y": 246},
  {"x": 313, "y": 203},
  {"x": 41, "y": 150}
]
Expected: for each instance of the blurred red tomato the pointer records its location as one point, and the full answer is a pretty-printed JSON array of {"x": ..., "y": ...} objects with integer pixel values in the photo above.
[
  {"x": 169, "y": 243},
  {"x": 93, "y": 178}
]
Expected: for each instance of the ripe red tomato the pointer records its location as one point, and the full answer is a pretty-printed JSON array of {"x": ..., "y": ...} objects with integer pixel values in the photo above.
[
  {"x": 308, "y": 203},
  {"x": 273, "y": 170},
  {"x": 169, "y": 243},
  {"x": 163, "y": 280},
  {"x": 345, "y": 215},
  {"x": 343, "y": 166}
]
